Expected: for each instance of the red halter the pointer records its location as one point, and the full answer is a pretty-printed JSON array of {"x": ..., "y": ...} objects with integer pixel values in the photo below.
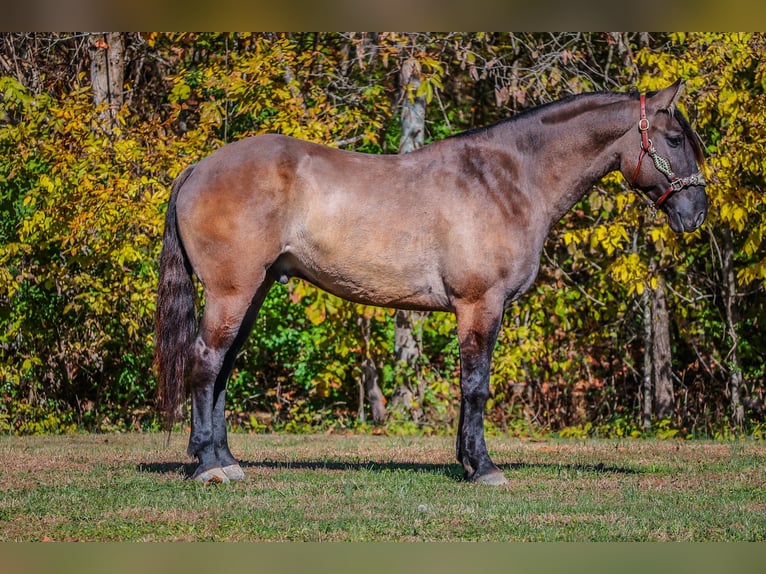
[{"x": 662, "y": 165}]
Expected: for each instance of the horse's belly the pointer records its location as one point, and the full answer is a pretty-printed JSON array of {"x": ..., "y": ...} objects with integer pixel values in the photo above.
[{"x": 367, "y": 282}]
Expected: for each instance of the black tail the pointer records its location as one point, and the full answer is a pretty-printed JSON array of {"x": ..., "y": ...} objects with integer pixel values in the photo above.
[{"x": 176, "y": 318}]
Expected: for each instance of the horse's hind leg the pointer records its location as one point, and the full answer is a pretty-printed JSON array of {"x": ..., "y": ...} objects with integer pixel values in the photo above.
[
  {"x": 229, "y": 464},
  {"x": 226, "y": 323}
]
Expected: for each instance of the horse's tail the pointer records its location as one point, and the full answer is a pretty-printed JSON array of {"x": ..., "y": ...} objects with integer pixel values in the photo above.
[{"x": 176, "y": 316}]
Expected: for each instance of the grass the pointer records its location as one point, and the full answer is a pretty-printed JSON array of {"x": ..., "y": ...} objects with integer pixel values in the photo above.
[{"x": 378, "y": 488}]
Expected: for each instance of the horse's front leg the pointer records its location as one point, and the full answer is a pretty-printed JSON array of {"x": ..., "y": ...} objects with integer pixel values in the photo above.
[{"x": 478, "y": 325}]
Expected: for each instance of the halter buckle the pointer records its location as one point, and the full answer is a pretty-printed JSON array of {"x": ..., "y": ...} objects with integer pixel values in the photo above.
[{"x": 697, "y": 178}]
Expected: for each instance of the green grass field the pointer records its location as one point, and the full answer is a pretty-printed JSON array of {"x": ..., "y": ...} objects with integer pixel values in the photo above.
[{"x": 379, "y": 488}]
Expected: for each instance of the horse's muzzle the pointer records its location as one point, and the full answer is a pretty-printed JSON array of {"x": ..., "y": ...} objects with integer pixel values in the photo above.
[{"x": 681, "y": 223}]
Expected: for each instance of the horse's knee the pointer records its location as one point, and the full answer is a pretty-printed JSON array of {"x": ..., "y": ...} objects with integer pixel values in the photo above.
[{"x": 475, "y": 392}]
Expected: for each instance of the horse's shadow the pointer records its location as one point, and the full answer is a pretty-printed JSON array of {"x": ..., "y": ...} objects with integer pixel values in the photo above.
[{"x": 453, "y": 471}]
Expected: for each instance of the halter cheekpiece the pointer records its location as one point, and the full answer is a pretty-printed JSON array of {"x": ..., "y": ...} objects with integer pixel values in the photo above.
[{"x": 662, "y": 164}]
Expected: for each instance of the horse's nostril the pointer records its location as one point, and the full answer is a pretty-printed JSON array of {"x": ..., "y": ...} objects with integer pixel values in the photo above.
[{"x": 699, "y": 219}]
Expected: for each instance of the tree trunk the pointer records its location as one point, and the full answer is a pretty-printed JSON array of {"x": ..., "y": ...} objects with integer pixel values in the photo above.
[
  {"x": 732, "y": 318},
  {"x": 369, "y": 380},
  {"x": 408, "y": 396},
  {"x": 107, "y": 71},
  {"x": 657, "y": 389},
  {"x": 664, "y": 401},
  {"x": 646, "y": 387},
  {"x": 407, "y": 338},
  {"x": 413, "y": 108}
]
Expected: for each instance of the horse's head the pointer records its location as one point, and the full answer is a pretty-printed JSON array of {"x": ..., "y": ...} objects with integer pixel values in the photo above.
[{"x": 665, "y": 163}]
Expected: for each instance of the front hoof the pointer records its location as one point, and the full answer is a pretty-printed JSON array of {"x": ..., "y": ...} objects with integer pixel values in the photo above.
[
  {"x": 493, "y": 478},
  {"x": 234, "y": 472},
  {"x": 211, "y": 476}
]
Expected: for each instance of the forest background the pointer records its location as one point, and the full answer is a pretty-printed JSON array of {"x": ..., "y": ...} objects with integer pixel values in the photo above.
[{"x": 629, "y": 330}]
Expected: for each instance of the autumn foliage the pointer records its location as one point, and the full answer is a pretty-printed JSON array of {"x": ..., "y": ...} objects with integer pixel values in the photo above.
[{"x": 82, "y": 206}]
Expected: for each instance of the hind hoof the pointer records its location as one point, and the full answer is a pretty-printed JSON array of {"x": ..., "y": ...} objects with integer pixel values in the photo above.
[
  {"x": 234, "y": 472},
  {"x": 211, "y": 476},
  {"x": 494, "y": 478}
]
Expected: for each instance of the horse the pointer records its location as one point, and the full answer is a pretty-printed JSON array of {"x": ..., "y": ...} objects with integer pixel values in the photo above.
[{"x": 455, "y": 226}]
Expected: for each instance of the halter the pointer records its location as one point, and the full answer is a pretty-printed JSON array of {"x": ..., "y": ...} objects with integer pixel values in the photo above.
[{"x": 662, "y": 165}]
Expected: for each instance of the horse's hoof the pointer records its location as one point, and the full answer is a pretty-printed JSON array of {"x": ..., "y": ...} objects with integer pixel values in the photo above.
[
  {"x": 234, "y": 472},
  {"x": 494, "y": 478},
  {"x": 211, "y": 476}
]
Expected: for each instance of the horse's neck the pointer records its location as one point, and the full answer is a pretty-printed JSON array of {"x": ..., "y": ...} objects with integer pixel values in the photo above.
[{"x": 576, "y": 148}]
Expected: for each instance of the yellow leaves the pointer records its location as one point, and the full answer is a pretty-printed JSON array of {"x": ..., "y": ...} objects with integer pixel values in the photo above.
[
  {"x": 88, "y": 231},
  {"x": 734, "y": 215},
  {"x": 376, "y": 313},
  {"x": 13, "y": 91},
  {"x": 661, "y": 237},
  {"x": 432, "y": 71},
  {"x": 573, "y": 237},
  {"x": 126, "y": 254},
  {"x": 322, "y": 305},
  {"x": 35, "y": 226},
  {"x": 727, "y": 101},
  {"x": 608, "y": 237},
  {"x": 8, "y": 284},
  {"x": 753, "y": 273},
  {"x": 180, "y": 92},
  {"x": 623, "y": 200},
  {"x": 46, "y": 183},
  {"x": 753, "y": 242},
  {"x": 630, "y": 271},
  {"x": 211, "y": 112}
]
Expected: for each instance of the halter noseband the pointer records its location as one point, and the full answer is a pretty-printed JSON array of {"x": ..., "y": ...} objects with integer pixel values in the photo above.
[{"x": 662, "y": 165}]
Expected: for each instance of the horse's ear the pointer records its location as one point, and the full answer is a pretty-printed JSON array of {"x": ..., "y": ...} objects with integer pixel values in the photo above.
[
  {"x": 680, "y": 87},
  {"x": 668, "y": 98}
]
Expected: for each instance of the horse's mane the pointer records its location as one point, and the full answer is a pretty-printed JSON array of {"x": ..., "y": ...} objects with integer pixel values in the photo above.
[
  {"x": 691, "y": 136},
  {"x": 546, "y": 108},
  {"x": 579, "y": 103}
]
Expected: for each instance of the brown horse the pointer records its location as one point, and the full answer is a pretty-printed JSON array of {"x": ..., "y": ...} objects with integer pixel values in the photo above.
[{"x": 456, "y": 226}]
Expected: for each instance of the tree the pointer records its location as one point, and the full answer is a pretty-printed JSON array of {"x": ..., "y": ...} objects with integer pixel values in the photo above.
[
  {"x": 107, "y": 72},
  {"x": 661, "y": 354}
]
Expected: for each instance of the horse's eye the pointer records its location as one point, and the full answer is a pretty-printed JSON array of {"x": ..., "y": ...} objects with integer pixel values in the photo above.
[{"x": 675, "y": 141}]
